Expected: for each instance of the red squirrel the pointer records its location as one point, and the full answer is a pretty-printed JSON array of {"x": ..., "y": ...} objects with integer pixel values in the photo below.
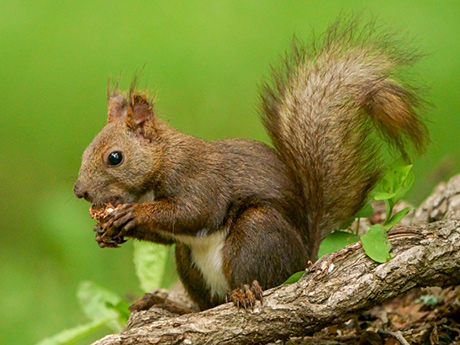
[{"x": 238, "y": 211}]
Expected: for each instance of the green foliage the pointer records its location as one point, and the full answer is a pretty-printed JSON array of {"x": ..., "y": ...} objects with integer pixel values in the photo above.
[
  {"x": 122, "y": 307},
  {"x": 392, "y": 187},
  {"x": 104, "y": 307},
  {"x": 294, "y": 278},
  {"x": 153, "y": 265},
  {"x": 396, "y": 218},
  {"x": 336, "y": 241},
  {"x": 69, "y": 336},
  {"x": 366, "y": 211},
  {"x": 95, "y": 300},
  {"x": 375, "y": 243}
]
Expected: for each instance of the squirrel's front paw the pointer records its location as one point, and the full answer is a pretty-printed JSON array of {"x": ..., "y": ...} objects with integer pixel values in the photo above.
[
  {"x": 117, "y": 225},
  {"x": 105, "y": 239},
  {"x": 123, "y": 219}
]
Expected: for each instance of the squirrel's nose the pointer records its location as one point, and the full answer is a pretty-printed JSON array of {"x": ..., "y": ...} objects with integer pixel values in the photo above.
[{"x": 79, "y": 191}]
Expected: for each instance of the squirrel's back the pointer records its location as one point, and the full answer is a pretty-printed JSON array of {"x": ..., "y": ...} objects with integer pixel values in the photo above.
[{"x": 327, "y": 112}]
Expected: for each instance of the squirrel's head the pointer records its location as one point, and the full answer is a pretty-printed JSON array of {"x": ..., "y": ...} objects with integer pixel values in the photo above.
[{"x": 118, "y": 166}]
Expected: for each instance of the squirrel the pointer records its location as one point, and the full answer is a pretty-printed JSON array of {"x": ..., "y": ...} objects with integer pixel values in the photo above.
[{"x": 245, "y": 216}]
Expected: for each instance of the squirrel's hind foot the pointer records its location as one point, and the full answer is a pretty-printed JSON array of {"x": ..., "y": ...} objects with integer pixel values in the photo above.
[{"x": 246, "y": 296}]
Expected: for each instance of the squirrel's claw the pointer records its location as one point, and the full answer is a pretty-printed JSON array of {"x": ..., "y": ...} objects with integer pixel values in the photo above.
[
  {"x": 246, "y": 296},
  {"x": 121, "y": 220},
  {"x": 122, "y": 216}
]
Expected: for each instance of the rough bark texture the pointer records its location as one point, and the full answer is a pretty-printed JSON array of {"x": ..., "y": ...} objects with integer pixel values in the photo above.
[{"x": 336, "y": 286}]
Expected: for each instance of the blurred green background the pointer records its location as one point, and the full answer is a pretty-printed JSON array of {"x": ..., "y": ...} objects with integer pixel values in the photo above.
[{"x": 206, "y": 60}]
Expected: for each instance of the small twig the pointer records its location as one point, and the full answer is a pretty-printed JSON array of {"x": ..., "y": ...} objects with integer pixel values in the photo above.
[{"x": 398, "y": 335}]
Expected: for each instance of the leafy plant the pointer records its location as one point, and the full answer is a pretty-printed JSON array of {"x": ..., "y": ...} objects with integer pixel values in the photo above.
[
  {"x": 69, "y": 336},
  {"x": 97, "y": 303},
  {"x": 375, "y": 243},
  {"x": 106, "y": 308},
  {"x": 153, "y": 263},
  {"x": 295, "y": 277},
  {"x": 336, "y": 241},
  {"x": 391, "y": 188}
]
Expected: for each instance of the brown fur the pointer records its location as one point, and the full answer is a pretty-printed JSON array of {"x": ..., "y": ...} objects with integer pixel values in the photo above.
[
  {"x": 321, "y": 113},
  {"x": 271, "y": 207}
]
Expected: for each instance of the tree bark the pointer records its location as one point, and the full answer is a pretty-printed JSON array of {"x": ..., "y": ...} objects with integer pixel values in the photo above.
[{"x": 332, "y": 289}]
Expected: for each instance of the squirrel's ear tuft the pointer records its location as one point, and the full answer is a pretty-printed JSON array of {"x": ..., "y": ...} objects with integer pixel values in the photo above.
[
  {"x": 117, "y": 106},
  {"x": 139, "y": 110}
]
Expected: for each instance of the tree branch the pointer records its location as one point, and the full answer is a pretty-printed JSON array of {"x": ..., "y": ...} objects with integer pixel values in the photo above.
[{"x": 335, "y": 287}]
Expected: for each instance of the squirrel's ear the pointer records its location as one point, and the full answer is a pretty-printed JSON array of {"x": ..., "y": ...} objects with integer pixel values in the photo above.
[
  {"x": 139, "y": 110},
  {"x": 117, "y": 107}
]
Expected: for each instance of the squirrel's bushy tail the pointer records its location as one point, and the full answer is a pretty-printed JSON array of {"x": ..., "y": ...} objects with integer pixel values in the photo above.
[{"x": 327, "y": 113}]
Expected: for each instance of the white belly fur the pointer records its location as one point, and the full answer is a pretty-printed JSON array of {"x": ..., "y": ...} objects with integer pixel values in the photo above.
[{"x": 207, "y": 256}]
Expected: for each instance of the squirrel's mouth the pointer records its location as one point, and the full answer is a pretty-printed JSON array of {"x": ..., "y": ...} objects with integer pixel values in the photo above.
[
  {"x": 119, "y": 200},
  {"x": 115, "y": 201}
]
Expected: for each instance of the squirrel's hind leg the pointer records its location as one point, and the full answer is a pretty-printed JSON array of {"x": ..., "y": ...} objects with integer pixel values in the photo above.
[{"x": 278, "y": 249}]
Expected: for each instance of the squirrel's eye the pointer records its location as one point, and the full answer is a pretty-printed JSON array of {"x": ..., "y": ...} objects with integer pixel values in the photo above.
[{"x": 115, "y": 158}]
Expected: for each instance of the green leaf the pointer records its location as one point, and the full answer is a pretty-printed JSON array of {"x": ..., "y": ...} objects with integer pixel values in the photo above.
[
  {"x": 389, "y": 209},
  {"x": 381, "y": 195},
  {"x": 153, "y": 265},
  {"x": 93, "y": 300},
  {"x": 405, "y": 186},
  {"x": 347, "y": 224},
  {"x": 336, "y": 241},
  {"x": 122, "y": 308},
  {"x": 400, "y": 170},
  {"x": 395, "y": 183},
  {"x": 294, "y": 278},
  {"x": 397, "y": 217},
  {"x": 365, "y": 211},
  {"x": 71, "y": 335},
  {"x": 375, "y": 243}
]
